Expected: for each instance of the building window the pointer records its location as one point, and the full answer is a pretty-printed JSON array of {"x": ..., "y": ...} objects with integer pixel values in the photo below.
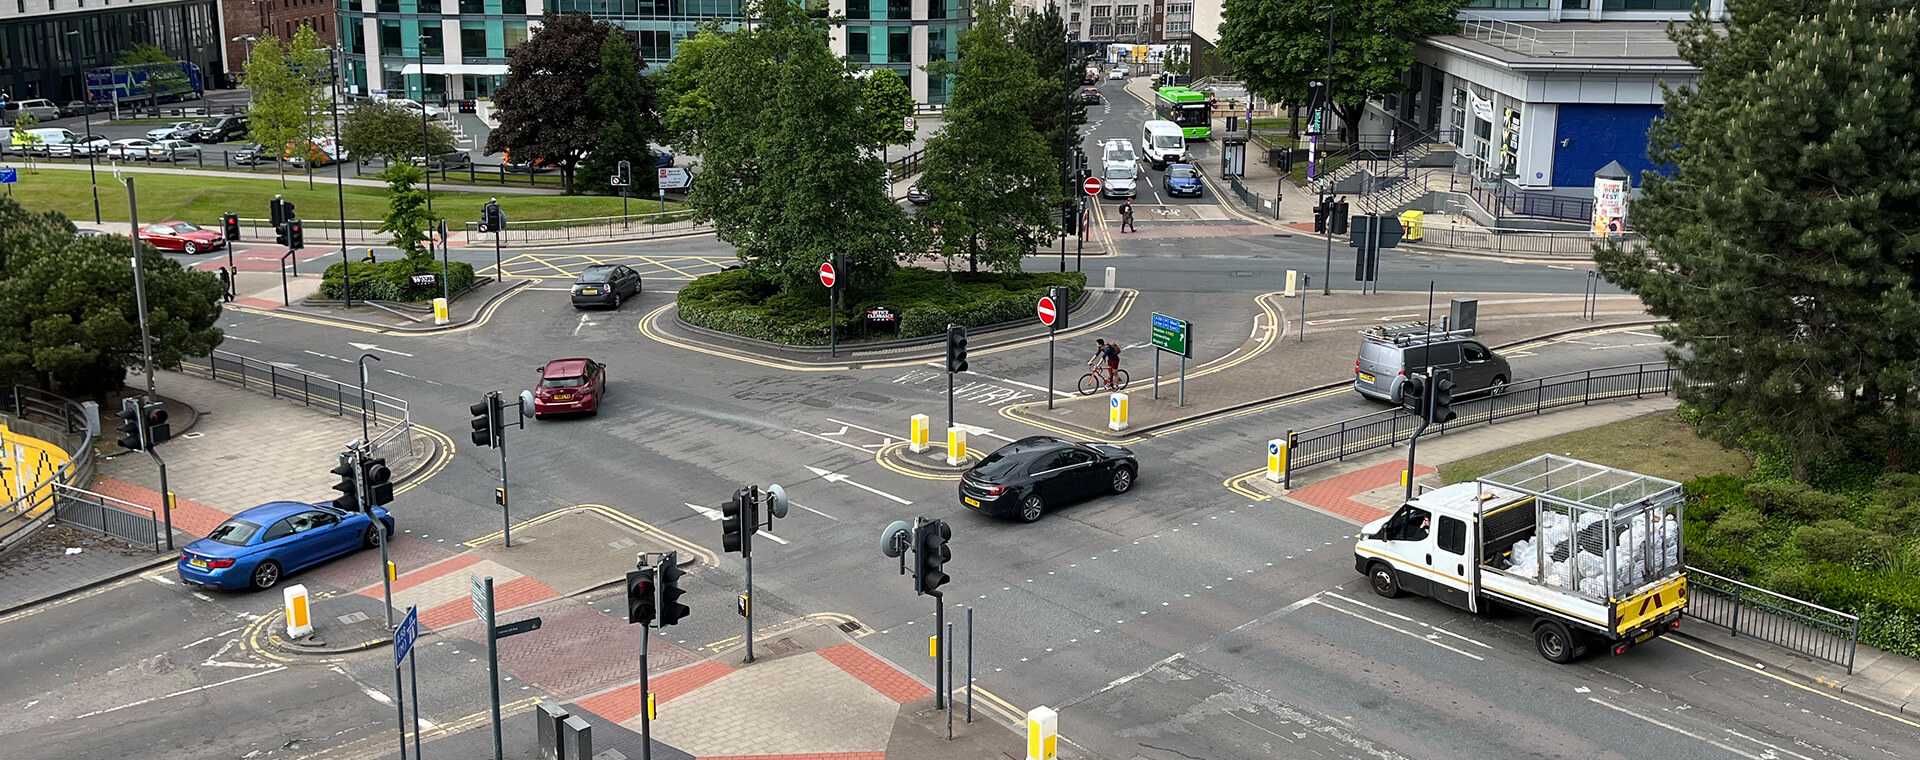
[
  {"x": 1649, "y": 5},
  {"x": 900, "y": 10},
  {"x": 1574, "y": 5},
  {"x": 936, "y": 43},
  {"x": 1102, "y": 11},
  {"x": 429, "y": 7},
  {"x": 857, "y": 45},
  {"x": 387, "y": 6},
  {"x": 936, "y": 9},
  {"x": 390, "y": 46},
  {"x": 430, "y": 40},
  {"x": 1123, "y": 29},
  {"x": 1099, "y": 29},
  {"x": 473, "y": 40},
  {"x": 473, "y": 6},
  {"x": 1509, "y": 5},
  {"x": 1127, "y": 11},
  {"x": 900, "y": 45},
  {"x": 516, "y": 34},
  {"x": 859, "y": 9},
  {"x": 519, "y": 8}
]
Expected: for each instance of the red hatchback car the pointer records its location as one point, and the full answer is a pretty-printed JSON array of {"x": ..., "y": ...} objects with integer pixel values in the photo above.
[
  {"x": 570, "y": 386},
  {"x": 181, "y": 236}
]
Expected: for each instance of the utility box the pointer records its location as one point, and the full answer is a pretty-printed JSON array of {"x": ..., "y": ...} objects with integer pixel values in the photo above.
[
  {"x": 1464, "y": 314},
  {"x": 550, "y": 716},
  {"x": 576, "y": 739}
]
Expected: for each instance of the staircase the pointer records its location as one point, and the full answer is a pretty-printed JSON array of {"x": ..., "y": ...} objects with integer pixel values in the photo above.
[{"x": 1389, "y": 163}]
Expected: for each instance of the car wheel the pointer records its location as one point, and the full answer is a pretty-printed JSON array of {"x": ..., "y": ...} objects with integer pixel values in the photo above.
[
  {"x": 1498, "y": 388},
  {"x": 1122, "y": 479},
  {"x": 616, "y": 299},
  {"x": 1554, "y": 642},
  {"x": 1380, "y": 576},
  {"x": 266, "y": 575},
  {"x": 1031, "y": 508},
  {"x": 189, "y": 248},
  {"x": 372, "y": 538}
]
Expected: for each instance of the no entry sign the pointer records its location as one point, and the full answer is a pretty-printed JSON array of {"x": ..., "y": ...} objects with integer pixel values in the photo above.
[
  {"x": 827, "y": 275},
  {"x": 1091, "y": 186},
  {"x": 1045, "y": 310}
]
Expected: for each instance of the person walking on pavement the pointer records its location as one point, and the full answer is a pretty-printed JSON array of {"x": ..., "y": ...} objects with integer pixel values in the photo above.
[
  {"x": 226, "y": 285},
  {"x": 1126, "y": 216}
]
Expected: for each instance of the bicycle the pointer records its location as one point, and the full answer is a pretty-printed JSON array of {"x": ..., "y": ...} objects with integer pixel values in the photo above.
[{"x": 1098, "y": 378}]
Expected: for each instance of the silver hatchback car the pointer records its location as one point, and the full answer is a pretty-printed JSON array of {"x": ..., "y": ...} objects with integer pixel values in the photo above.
[{"x": 1389, "y": 354}]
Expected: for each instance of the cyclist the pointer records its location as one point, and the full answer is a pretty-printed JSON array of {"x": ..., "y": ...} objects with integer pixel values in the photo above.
[{"x": 1109, "y": 355}]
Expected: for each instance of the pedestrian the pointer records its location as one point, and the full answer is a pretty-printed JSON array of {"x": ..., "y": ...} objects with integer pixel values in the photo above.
[
  {"x": 226, "y": 285},
  {"x": 1126, "y": 216}
]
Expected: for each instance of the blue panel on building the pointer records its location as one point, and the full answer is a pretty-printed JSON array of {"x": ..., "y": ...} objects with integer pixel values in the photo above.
[{"x": 1588, "y": 135}]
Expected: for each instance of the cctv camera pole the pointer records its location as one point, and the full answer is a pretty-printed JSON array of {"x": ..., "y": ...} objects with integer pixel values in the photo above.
[
  {"x": 339, "y": 175},
  {"x": 364, "y": 435}
]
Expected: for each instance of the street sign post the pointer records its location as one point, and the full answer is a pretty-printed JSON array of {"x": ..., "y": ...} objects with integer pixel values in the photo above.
[
  {"x": 405, "y": 635},
  {"x": 1045, "y": 311},
  {"x": 1175, "y": 336},
  {"x": 480, "y": 592},
  {"x": 1049, "y": 314},
  {"x": 403, "y": 640},
  {"x": 827, "y": 275},
  {"x": 827, "y": 278},
  {"x": 1090, "y": 186}
]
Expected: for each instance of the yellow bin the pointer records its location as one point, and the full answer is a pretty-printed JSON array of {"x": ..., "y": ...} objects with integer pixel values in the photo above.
[{"x": 1413, "y": 224}]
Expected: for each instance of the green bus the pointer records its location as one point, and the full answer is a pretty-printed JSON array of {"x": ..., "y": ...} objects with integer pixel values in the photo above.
[{"x": 1186, "y": 107}]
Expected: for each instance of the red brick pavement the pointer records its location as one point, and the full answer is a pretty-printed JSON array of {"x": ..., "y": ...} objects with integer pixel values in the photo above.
[
  {"x": 258, "y": 303},
  {"x": 1197, "y": 229},
  {"x": 516, "y": 593},
  {"x": 808, "y": 756},
  {"x": 877, "y": 673},
  {"x": 409, "y": 579},
  {"x": 1334, "y": 495},
  {"x": 617, "y": 706},
  {"x": 362, "y": 571},
  {"x": 189, "y": 516},
  {"x": 581, "y": 650},
  {"x": 677, "y": 683}
]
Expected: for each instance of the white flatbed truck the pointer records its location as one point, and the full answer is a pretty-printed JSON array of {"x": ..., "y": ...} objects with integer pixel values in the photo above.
[{"x": 1606, "y": 570}]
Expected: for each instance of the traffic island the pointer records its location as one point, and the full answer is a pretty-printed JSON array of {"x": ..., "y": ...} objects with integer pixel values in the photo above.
[
  {"x": 930, "y": 464},
  {"x": 469, "y": 306}
]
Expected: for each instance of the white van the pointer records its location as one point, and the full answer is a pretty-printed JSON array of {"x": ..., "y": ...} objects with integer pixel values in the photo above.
[
  {"x": 44, "y": 141},
  {"x": 1163, "y": 143}
]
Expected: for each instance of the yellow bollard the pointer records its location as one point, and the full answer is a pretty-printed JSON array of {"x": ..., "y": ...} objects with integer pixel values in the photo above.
[
  {"x": 299, "y": 615},
  {"x": 1276, "y": 459},
  {"x": 1043, "y": 734},
  {"x": 919, "y": 429},
  {"x": 440, "y": 311},
  {"x": 1117, "y": 411},
  {"x": 1293, "y": 277},
  {"x": 956, "y": 446},
  {"x": 1403, "y": 479}
]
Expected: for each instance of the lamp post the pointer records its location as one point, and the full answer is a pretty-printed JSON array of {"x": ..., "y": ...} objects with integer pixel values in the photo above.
[
  {"x": 339, "y": 169},
  {"x": 1326, "y": 121},
  {"x": 86, "y": 113}
]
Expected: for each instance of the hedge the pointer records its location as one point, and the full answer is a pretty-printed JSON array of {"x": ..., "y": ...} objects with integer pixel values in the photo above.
[
  {"x": 393, "y": 280},
  {"x": 926, "y": 301}
]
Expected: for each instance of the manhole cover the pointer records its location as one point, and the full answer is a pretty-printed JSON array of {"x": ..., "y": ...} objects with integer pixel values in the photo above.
[
  {"x": 850, "y": 626},
  {"x": 1243, "y": 274},
  {"x": 817, "y": 403},
  {"x": 873, "y": 397}
]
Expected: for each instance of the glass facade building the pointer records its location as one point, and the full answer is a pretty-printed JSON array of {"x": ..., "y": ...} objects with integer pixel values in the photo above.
[{"x": 39, "y": 60}]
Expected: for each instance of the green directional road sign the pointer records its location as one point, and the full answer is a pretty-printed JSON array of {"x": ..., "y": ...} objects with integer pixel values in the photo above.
[{"x": 1172, "y": 335}]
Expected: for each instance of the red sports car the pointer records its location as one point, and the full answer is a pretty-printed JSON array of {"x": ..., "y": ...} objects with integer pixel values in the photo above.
[
  {"x": 570, "y": 385},
  {"x": 181, "y": 236}
]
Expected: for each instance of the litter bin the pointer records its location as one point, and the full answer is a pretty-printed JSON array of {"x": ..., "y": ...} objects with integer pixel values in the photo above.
[
  {"x": 1413, "y": 224},
  {"x": 1277, "y": 157}
]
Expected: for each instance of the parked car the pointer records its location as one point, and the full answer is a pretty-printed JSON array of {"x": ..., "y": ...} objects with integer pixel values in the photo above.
[
  {"x": 258, "y": 547},
  {"x": 450, "y": 160},
  {"x": 662, "y": 158},
  {"x": 919, "y": 196},
  {"x": 41, "y": 108},
  {"x": 433, "y": 111},
  {"x": 130, "y": 149},
  {"x": 570, "y": 386},
  {"x": 1388, "y": 354},
  {"x": 221, "y": 129},
  {"x": 81, "y": 147},
  {"x": 1026, "y": 478},
  {"x": 181, "y": 236},
  {"x": 173, "y": 150},
  {"x": 77, "y": 107},
  {"x": 605, "y": 285},
  {"x": 1184, "y": 179},
  {"x": 179, "y": 130},
  {"x": 45, "y": 141},
  {"x": 251, "y": 154}
]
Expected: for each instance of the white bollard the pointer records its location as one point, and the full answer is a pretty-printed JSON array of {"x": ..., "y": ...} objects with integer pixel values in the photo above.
[
  {"x": 1117, "y": 411},
  {"x": 1111, "y": 278},
  {"x": 919, "y": 429},
  {"x": 1293, "y": 278},
  {"x": 299, "y": 614},
  {"x": 1043, "y": 734},
  {"x": 440, "y": 311},
  {"x": 956, "y": 446}
]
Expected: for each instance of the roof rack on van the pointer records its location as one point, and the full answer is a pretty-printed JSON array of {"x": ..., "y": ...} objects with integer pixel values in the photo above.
[{"x": 1409, "y": 333}]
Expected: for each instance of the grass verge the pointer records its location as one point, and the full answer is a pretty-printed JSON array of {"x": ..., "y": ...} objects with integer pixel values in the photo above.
[
  {"x": 924, "y": 300},
  {"x": 1658, "y": 444}
]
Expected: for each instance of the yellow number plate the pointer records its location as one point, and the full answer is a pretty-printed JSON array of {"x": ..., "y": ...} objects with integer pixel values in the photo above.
[
  {"x": 971, "y": 502},
  {"x": 1366, "y": 377},
  {"x": 589, "y": 291},
  {"x": 200, "y": 563}
]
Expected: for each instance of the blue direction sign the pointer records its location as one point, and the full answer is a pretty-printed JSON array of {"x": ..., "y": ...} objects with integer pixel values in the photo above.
[
  {"x": 9, "y": 176},
  {"x": 404, "y": 636}
]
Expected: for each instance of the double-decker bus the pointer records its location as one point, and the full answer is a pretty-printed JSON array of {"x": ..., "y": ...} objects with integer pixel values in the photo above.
[{"x": 1186, "y": 107}]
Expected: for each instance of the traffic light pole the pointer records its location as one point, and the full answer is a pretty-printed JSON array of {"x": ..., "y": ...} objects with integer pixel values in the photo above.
[
  {"x": 940, "y": 652},
  {"x": 379, "y": 530},
  {"x": 506, "y": 512},
  {"x": 166, "y": 495},
  {"x": 140, "y": 293},
  {"x": 1426, "y": 418},
  {"x": 754, "y": 528},
  {"x": 646, "y": 695}
]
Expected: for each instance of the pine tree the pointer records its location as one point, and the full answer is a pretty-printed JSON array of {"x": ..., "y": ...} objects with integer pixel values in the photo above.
[{"x": 623, "y": 104}]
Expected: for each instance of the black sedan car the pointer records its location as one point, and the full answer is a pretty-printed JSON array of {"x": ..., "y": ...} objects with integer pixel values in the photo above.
[
  {"x": 605, "y": 285},
  {"x": 1026, "y": 478},
  {"x": 919, "y": 196}
]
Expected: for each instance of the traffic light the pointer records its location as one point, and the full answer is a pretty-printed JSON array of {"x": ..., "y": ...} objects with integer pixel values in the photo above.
[
  {"x": 956, "y": 348},
  {"x": 279, "y": 211},
  {"x": 930, "y": 556},
  {"x": 1320, "y": 211},
  {"x": 1338, "y": 220},
  {"x": 280, "y": 235},
  {"x": 379, "y": 480},
  {"x": 487, "y": 423},
  {"x": 349, "y": 498},
  {"x": 157, "y": 429},
  {"x": 491, "y": 219},
  {"x": 1442, "y": 401},
  {"x": 640, "y": 596},
  {"x": 296, "y": 237},
  {"x": 1070, "y": 221},
  {"x": 230, "y": 226},
  {"x": 739, "y": 521},
  {"x": 668, "y": 590},
  {"x": 130, "y": 424},
  {"x": 1413, "y": 394}
]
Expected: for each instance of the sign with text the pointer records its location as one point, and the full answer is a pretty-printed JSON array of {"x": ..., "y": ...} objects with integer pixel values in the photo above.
[
  {"x": 1172, "y": 335},
  {"x": 405, "y": 635},
  {"x": 675, "y": 178}
]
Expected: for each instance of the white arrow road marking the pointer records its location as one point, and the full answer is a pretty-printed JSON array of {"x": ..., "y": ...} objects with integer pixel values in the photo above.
[
  {"x": 834, "y": 477},
  {"x": 372, "y": 347},
  {"x": 770, "y": 536},
  {"x": 977, "y": 430},
  {"x": 1322, "y": 322},
  {"x": 885, "y": 438},
  {"x": 707, "y": 512},
  {"x": 326, "y": 356},
  {"x": 585, "y": 320}
]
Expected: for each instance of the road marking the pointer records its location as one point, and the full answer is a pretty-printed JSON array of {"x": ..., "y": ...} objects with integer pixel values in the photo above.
[
  {"x": 1124, "y": 680},
  {"x": 831, "y": 440},
  {"x": 1643, "y": 335},
  {"x": 1671, "y": 727},
  {"x": 242, "y": 340},
  {"x": 835, "y": 477},
  {"x": 1410, "y": 620},
  {"x": 160, "y": 579},
  {"x": 707, "y": 512},
  {"x": 180, "y": 693},
  {"x": 774, "y": 538},
  {"x": 585, "y": 319},
  {"x": 977, "y": 430},
  {"x": 1391, "y": 317},
  {"x": 372, "y": 347},
  {"x": 1318, "y": 322},
  {"x": 844, "y": 425},
  {"x": 815, "y": 511},
  {"x": 1764, "y": 744},
  {"x": 326, "y": 356},
  {"x": 1398, "y": 629},
  {"x": 1789, "y": 682}
]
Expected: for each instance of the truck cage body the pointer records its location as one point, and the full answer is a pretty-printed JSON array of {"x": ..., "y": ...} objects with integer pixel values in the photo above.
[{"x": 1626, "y": 521}]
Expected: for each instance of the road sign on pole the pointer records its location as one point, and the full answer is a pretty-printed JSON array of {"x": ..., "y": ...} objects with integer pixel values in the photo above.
[
  {"x": 1091, "y": 186},
  {"x": 405, "y": 635},
  {"x": 1045, "y": 310},
  {"x": 827, "y": 275}
]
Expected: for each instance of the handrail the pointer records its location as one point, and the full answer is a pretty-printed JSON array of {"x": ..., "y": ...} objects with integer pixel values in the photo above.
[
  {"x": 1798, "y": 625},
  {"x": 311, "y": 390}
]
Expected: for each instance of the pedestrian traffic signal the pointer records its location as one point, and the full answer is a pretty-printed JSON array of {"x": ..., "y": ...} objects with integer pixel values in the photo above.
[
  {"x": 1413, "y": 394},
  {"x": 956, "y": 348},
  {"x": 296, "y": 236},
  {"x": 280, "y": 235},
  {"x": 491, "y": 220},
  {"x": 669, "y": 591},
  {"x": 488, "y": 427},
  {"x": 1320, "y": 212},
  {"x": 157, "y": 430},
  {"x": 1339, "y": 217},
  {"x": 130, "y": 424},
  {"x": 739, "y": 521},
  {"x": 230, "y": 226},
  {"x": 930, "y": 556},
  {"x": 379, "y": 482},
  {"x": 1442, "y": 393},
  {"x": 641, "y": 596},
  {"x": 347, "y": 486}
]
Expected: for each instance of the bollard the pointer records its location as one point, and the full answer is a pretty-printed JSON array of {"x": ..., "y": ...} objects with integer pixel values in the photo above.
[
  {"x": 1276, "y": 459},
  {"x": 1293, "y": 278},
  {"x": 956, "y": 446},
  {"x": 1116, "y": 411},
  {"x": 299, "y": 615},
  {"x": 576, "y": 738},
  {"x": 1043, "y": 734},
  {"x": 919, "y": 429},
  {"x": 393, "y": 571},
  {"x": 440, "y": 311},
  {"x": 550, "y": 715},
  {"x": 1111, "y": 278}
]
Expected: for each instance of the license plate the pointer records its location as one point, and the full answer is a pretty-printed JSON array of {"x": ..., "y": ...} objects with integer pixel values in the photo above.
[
  {"x": 589, "y": 291},
  {"x": 1366, "y": 378},
  {"x": 563, "y": 397},
  {"x": 199, "y": 563},
  {"x": 971, "y": 502}
]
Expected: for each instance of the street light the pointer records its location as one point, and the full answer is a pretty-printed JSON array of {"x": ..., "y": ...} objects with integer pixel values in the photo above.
[{"x": 86, "y": 113}]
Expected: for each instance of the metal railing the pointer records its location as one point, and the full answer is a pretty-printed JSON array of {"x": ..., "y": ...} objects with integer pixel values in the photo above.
[
  {"x": 1253, "y": 199},
  {"x": 1591, "y": 43},
  {"x": 630, "y": 227},
  {"x": 108, "y": 516},
  {"x": 208, "y": 157},
  {"x": 1797, "y": 625},
  {"x": 389, "y": 418},
  {"x": 1512, "y": 201},
  {"x": 1570, "y": 245},
  {"x": 73, "y": 435},
  {"x": 1336, "y": 441}
]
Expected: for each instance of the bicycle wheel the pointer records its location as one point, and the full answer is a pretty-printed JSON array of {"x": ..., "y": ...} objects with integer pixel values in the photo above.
[
  {"x": 1088, "y": 384},
  {"x": 1120, "y": 380}
]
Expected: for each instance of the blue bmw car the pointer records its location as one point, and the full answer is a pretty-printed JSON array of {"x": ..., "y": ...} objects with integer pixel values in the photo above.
[
  {"x": 1183, "y": 179},
  {"x": 258, "y": 547}
]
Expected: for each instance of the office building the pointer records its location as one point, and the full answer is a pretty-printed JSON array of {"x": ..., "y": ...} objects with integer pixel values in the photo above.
[
  {"x": 248, "y": 20},
  {"x": 903, "y": 35},
  {"x": 38, "y": 59}
]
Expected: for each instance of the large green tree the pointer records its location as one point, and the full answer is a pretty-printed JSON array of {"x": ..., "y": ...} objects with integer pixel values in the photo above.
[
  {"x": 1278, "y": 46},
  {"x": 310, "y": 72},
  {"x": 1056, "y": 113},
  {"x": 68, "y": 321},
  {"x": 276, "y": 110},
  {"x": 789, "y": 170},
  {"x": 379, "y": 129},
  {"x": 887, "y": 103},
  {"x": 408, "y": 221},
  {"x": 1783, "y": 245},
  {"x": 546, "y": 112},
  {"x": 623, "y": 102},
  {"x": 996, "y": 184}
]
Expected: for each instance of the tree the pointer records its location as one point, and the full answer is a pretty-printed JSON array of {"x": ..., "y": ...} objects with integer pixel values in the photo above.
[
  {"x": 623, "y": 103},
  {"x": 680, "y": 99},
  {"x": 407, "y": 220},
  {"x": 310, "y": 72},
  {"x": 23, "y": 135},
  {"x": 378, "y": 129},
  {"x": 546, "y": 112},
  {"x": 1055, "y": 112},
  {"x": 1279, "y": 46},
  {"x": 1177, "y": 61},
  {"x": 1781, "y": 245},
  {"x": 276, "y": 116},
  {"x": 68, "y": 321},
  {"x": 886, "y": 102},
  {"x": 789, "y": 174},
  {"x": 994, "y": 181}
]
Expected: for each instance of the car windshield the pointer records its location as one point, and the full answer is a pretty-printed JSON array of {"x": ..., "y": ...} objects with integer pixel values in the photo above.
[
  {"x": 596, "y": 275},
  {"x": 1120, "y": 171},
  {"x": 1182, "y": 172},
  {"x": 234, "y": 532},
  {"x": 562, "y": 382},
  {"x": 184, "y": 227},
  {"x": 1169, "y": 141}
]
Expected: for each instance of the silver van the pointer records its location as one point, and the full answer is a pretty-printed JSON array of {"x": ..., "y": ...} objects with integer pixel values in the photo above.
[
  {"x": 1391, "y": 352},
  {"x": 41, "y": 108}
]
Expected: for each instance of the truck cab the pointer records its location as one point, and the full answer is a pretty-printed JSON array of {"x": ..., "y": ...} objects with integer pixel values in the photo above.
[{"x": 1425, "y": 545}]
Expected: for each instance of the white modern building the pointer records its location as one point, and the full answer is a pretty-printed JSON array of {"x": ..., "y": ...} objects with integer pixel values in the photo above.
[{"x": 903, "y": 35}]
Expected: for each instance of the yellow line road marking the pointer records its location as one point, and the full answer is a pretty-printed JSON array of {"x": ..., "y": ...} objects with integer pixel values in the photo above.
[
  {"x": 1237, "y": 484},
  {"x": 657, "y": 262},
  {"x": 447, "y": 448},
  {"x": 703, "y": 554}
]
